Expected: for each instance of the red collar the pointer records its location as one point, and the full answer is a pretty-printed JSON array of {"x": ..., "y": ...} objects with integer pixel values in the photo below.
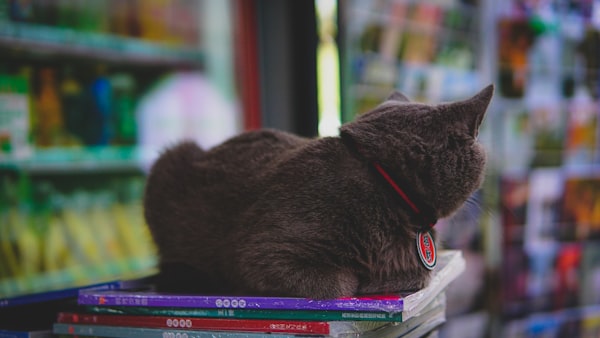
[
  {"x": 423, "y": 213},
  {"x": 427, "y": 221}
]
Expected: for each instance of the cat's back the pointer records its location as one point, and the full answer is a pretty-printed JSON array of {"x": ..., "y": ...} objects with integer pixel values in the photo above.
[
  {"x": 186, "y": 166},
  {"x": 252, "y": 151},
  {"x": 189, "y": 187}
]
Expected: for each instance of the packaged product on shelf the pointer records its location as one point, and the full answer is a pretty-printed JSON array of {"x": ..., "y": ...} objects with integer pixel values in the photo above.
[
  {"x": 21, "y": 10},
  {"x": 580, "y": 210},
  {"x": 183, "y": 22},
  {"x": 51, "y": 237},
  {"x": 84, "y": 242},
  {"x": 582, "y": 125},
  {"x": 14, "y": 116},
  {"x": 515, "y": 39},
  {"x": 4, "y": 11},
  {"x": 153, "y": 20},
  {"x": 589, "y": 49},
  {"x": 513, "y": 286},
  {"x": 97, "y": 130},
  {"x": 422, "y": 39},
  {"x": 67, "y": 13},
  {"x": 566, "y": 276},
  {"x": 124, "y": 102},
  {"x": 49, "y": 127},
  {"x": 124, "y": 18},
  {"x": 93, "y": 16},
  {"x": 20, "y": 240},
  {"x": 45, "y": 12},
  {"x": 73, "y": 100},
  {"x": 547, "y": 119},
  {"x": 590, "y": 268},
  {"x": 57, "y": 253}
]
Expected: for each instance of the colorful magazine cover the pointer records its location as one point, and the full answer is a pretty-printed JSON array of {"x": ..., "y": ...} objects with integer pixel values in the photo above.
[
  {"x": 567, "y": 276},
  {"x": 332, "y": 328},
  {"x": 450, "y": 265},
  {"x": 514, "y": 277},
  {"x": 580, "y": 210},
  {"x": 514, "y": 195},
  {"x": 590, "y": 274},
  {"x": 432, "y": 316},
  {"x": 582, "y": 129}
]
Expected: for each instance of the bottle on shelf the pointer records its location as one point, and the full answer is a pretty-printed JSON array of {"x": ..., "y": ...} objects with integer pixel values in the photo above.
[
  {"x": 98, "y": 131},
  {"x": 45, "y": 12},
  {"x": 124, "y": 18},
  {"x": 93, "y": 16},
  {"x": 21, "y": 10},
  {"x": 124, "y": 102},
  {"x": 72, "y": 100},
  {"x": 4, "y": 11},
  {"x": 67, "y": 13},
  {"x": 48, "y": 110},
  {"x": 153, "y": 20}
]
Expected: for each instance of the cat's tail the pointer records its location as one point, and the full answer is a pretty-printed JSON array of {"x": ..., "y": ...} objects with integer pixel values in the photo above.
[
  {"x": 170, "y": 181},
  {"x": 177, "y": 156}
]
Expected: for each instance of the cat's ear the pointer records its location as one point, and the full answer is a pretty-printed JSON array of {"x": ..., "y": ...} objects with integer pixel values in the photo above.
[
  {"x": 397, "y": 96},
  {"x": 470, "y": 112}
]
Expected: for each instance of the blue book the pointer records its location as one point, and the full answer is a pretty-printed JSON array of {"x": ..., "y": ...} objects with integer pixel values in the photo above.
[
  {"x": 72, "y": 292},
  {"x": 26, "y": 334}
]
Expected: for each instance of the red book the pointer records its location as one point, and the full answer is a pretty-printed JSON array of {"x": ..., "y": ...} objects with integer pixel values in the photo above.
[{"x": 212, "y": 324}]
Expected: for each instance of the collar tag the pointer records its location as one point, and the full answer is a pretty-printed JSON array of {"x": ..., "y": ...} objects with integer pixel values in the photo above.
[{"x": 426, "y": 249}]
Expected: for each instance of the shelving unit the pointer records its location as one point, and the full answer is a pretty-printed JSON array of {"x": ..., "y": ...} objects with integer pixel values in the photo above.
[
  {"x": 82, "y": 159},
  {"x": 71, "y": 169},
  {"x": 545, "y": 167},
  {"x": 427, "y": 50},
  {"x": 57, "y": 41},
  {"x": 538, "y": 236}
]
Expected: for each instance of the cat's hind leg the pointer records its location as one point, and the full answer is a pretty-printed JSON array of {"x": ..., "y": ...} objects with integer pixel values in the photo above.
[
  {"x": 306, "y": 283},
  {"x": 280, "y": 274}
]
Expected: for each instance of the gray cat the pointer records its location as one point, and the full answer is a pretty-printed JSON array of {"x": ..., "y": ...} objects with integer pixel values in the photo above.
[{"x": 270, "y": 213}]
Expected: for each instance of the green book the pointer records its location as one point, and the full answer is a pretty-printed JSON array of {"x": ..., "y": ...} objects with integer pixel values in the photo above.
[{"x": 250, "y": 314}]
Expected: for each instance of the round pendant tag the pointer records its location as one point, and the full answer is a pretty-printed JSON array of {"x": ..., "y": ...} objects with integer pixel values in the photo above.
[{"x": 426, "y": 249}]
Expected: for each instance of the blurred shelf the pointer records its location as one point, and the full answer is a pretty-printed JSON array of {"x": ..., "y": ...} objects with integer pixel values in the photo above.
[
  {"x": 447, "y": 82},
  {"x": 46, "y": 40},
  {"x": 69, "y": 160},
  {"x": 79, "y": 275},
  {"x": 441, "y": 28}
]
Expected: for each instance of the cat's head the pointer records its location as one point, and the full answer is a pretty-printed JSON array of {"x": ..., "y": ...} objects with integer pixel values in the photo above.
[{"x": 432, "y": 148}]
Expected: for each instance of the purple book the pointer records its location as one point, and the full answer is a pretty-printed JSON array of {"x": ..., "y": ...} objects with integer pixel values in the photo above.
[
  {"x": 450, "y": 265},
  {"x": 391, "y": 303}
]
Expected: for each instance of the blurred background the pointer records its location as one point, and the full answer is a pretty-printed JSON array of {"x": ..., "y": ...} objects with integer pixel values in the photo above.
[{"x": 91, "y": 90}]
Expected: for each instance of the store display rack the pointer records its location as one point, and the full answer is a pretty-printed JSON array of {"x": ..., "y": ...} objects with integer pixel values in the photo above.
[{"x": 106, "y": 47}]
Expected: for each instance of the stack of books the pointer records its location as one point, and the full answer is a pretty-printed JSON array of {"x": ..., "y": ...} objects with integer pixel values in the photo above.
[
  {"x": 126, "y": 313},
  {"x": 32, "y": 315}
]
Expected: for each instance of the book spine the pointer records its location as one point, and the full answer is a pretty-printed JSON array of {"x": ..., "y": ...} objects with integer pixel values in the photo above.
[
  {"x": 253, "y": 314},
  {"x": 391, "y": 304},
  {"x": 139, "y": 332},
  {"x": 189, "y": 323},
  {"x": 25, "y": 334}
]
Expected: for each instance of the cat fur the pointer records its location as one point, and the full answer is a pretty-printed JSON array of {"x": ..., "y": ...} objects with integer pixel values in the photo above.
[{"x": 270, "y": 213}]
